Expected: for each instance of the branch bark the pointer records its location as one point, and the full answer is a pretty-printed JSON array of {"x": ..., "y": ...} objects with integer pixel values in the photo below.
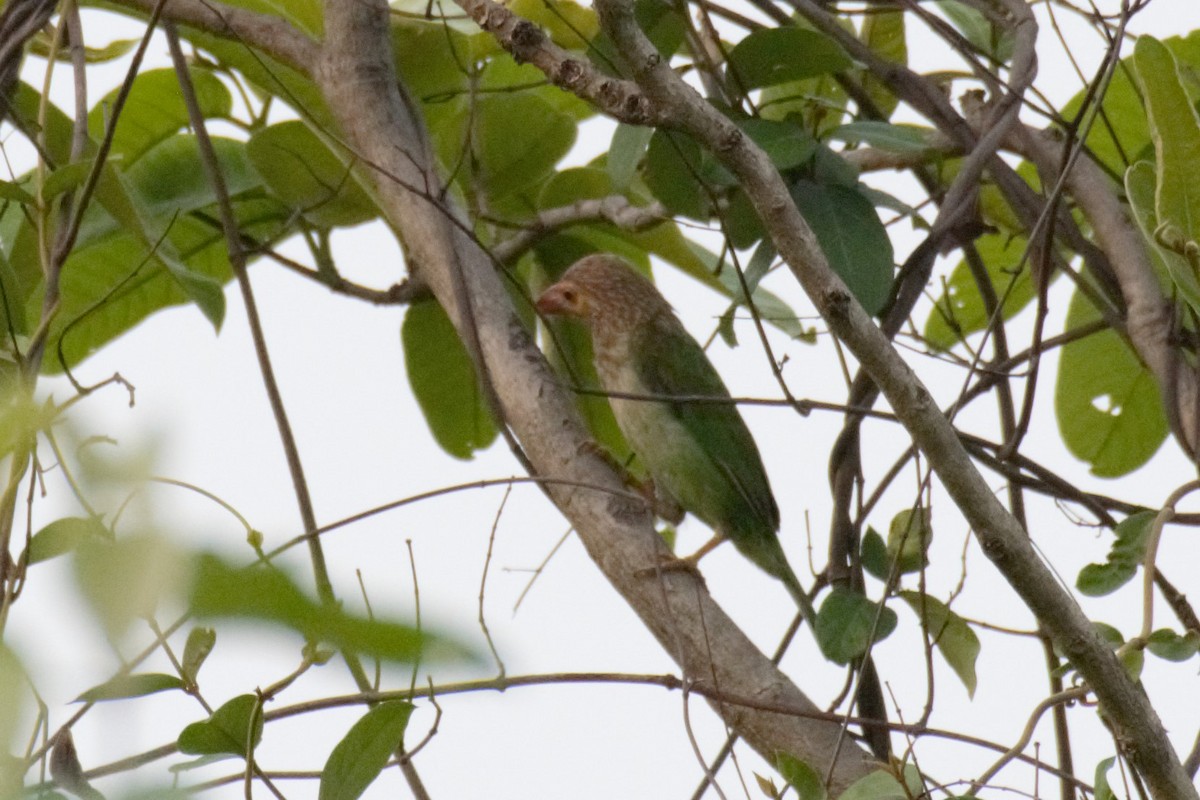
[
  {"x": 1002, "y": 538},
  {"x": 382, "y": 125}
]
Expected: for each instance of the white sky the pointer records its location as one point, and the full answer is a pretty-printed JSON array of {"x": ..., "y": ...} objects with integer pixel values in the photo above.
[{"x": 202, "y": 417}]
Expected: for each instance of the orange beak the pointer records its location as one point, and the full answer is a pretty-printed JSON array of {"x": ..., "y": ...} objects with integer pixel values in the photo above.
[{"x": 554, "y": 301}]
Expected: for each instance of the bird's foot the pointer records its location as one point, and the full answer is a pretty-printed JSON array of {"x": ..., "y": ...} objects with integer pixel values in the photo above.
[{"x": 671, "y": 563}]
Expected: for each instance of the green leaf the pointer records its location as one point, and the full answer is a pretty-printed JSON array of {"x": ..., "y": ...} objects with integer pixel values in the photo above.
[
  {"x": 625, "y": 153},
  {"x": 1126, "y": 555},
  {"x": 1103, "y": 790},
  {"x": 444, "y": 382},
  {"x": 124, "y": 580},
  {"x": 125, "y": 686},
  {"x": 235, "y": 728},
  {"x": 883, "y": 32},
  {"x": 950, "y": 633},
  {"x": 12, "y": 190},
  {"x": 1107, "y": 403},
  {"x": 1173, "y": 268},
  {"x": 672, "y": 170},
  {"x": 852, "y": 238},
  {"x": 66, "y": 178},
  {"x": 40, "y": 46},
  {"x": 960, "y": 310},
  {"x": 909, "y": 537},
  {"x": 989, "y": 39},
  {"x": 519, "y": 140},
  {"x": 265, "y": 594},
  {"x": 1169, "y": 645},
  {"x": 570, "y": 25},
  {"x": 787, "y": 144},
  {"x": 845, "y": 622},
  {"x": 155, "y": 111},
  {"x": 878, "y": 785},
  {"x": 874, "y": 556},
  {"x": 64, "y": 535},
  {"x": 658, "y": 19},
  {"x": 1124, "y": 136},
  {"x": 200, "y": 643},
  {"x": 15, "y": 698},
  {"x": 771, "y": 56},
  {"x": 1175, "y": 130},
  {"x": 307, "y": 176},
  {"x": 362, "y": 753},
  {"x": 807, "y": 782},
  {"x": 884, "y": 135}
]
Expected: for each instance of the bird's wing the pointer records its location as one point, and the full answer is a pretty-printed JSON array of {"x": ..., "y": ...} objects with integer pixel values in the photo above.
[{"x": 669, "y": 362}]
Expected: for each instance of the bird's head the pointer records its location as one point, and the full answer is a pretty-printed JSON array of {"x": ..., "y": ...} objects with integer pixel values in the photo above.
[{"x": 603, "y": 290}]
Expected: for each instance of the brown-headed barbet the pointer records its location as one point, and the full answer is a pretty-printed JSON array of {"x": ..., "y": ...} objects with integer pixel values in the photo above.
[{"x": 699, "y": 453}]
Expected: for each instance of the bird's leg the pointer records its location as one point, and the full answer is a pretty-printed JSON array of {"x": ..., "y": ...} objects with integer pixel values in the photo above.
[{"x": 686, "y": 563}]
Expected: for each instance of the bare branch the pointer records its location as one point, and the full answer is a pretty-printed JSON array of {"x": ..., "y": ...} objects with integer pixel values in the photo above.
[
  {"x": 268, "y": 33},
  {"x": 1003, "y": 539}
]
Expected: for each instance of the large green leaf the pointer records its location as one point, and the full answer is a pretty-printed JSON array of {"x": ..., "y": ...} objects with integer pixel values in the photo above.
[
  {"x": 307, "y": 176},
  {"x": 771, "y": 56},
  {"x": 124, "y": 580},
  {"x": 111, "y": 281},
  {"x": 1174, "y": 269},
  {"x": 364, "y": 751},
  {"x": 443, "y": 379},
  {"x": 155, "y": 110},
  {"x": 519, "y": 139},
  {"x": 884, "y": 32},
  {"x": 960, "y": 310},
  {"x": 1107, "y": 403},
  {"x": 1175, "y": 131},
  {"x": 266, "y": 594},
  {"x": 852, "y": 238},
  {"x": 1122, "y": 137}
]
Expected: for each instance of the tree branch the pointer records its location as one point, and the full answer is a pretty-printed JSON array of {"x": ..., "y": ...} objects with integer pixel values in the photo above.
[
  {"x": 383, "y": 126},
  {"x": 1002, "y": 538},
  {"x": 268, "y": 33}
]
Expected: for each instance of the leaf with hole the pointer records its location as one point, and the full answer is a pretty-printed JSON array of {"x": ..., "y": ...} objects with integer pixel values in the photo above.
[{"x": 1107, "y": 403}]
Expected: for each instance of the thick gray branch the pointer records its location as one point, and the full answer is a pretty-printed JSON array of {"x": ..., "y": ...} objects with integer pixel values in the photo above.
[
  {"x": 268, "y": 33},
  {"x": 1002, "y": 538},
  {"x": 383, "y": 127}
]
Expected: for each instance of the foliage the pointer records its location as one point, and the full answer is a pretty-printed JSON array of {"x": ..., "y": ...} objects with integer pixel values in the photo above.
[{"x": 116, "y": 217}]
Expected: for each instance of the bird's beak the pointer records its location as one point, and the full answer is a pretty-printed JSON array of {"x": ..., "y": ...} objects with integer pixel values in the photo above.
[{"x": 552, "y": 302}]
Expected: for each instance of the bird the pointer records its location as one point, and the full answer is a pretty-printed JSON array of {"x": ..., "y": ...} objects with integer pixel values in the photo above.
[{"x": 698, "y": 452}]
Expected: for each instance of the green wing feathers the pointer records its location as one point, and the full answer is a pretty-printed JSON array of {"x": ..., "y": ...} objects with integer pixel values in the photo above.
[{"x": 668, "y": 361}]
